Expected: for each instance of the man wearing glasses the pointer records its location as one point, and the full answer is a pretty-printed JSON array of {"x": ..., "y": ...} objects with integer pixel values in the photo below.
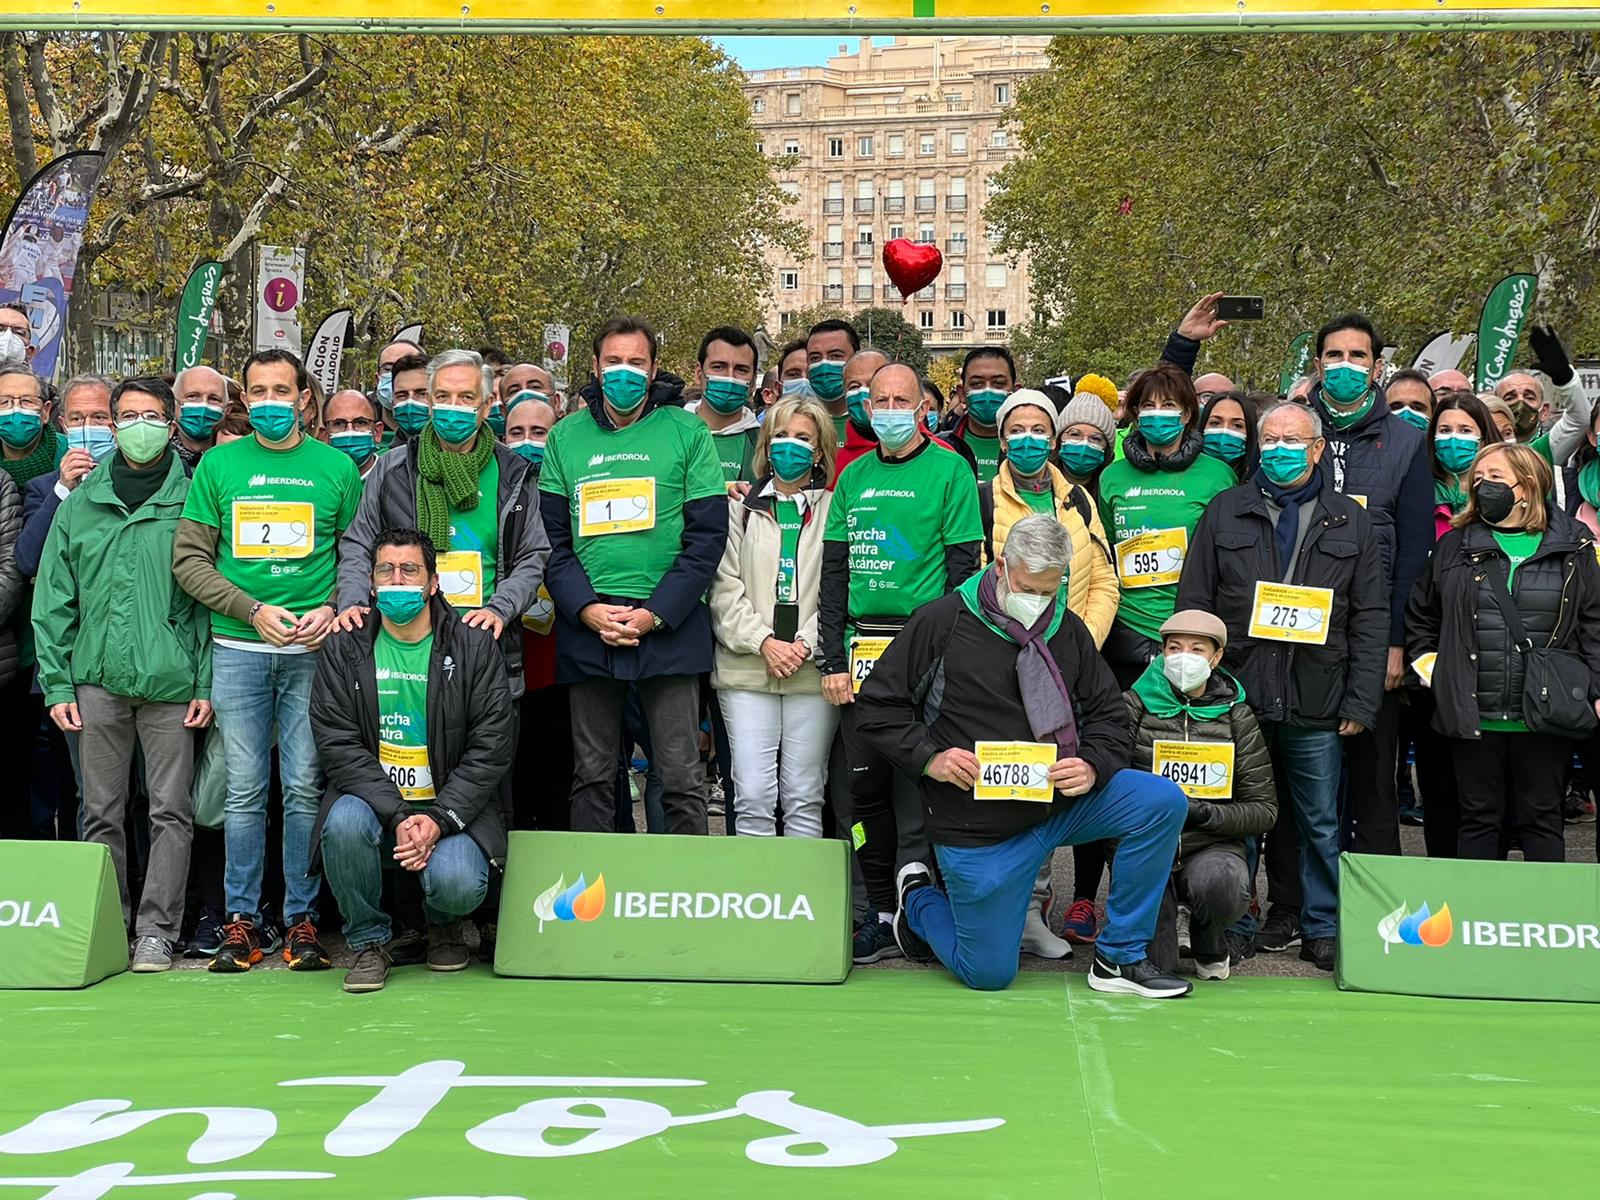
[
  {"x": 29, "y": 445},
  {"x": 258, "y": 546},
  {"x": 352, "y": 423},
  {"x": 414, "y": 770}
]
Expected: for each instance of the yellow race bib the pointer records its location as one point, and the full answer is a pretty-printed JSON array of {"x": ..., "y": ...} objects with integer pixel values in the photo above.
[
  {"x": 268, "y": 529},
  {"x": 1282, "y": 613},
  {"x": 1014, "y": 771},
  {"x": 461, "y": 578},
  {"x": 1152, "y": 559},
  {"x": 864, "y": 655},
  {"x": 616, "y": 506},
  {"x": 1204, "y": 770},
  {"x": 408, "y": 769},
  {"x": 540, "y": 618}
]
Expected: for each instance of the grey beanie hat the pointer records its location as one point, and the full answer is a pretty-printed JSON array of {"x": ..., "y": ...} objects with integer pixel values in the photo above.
[{"x": 1088, "y": 409}]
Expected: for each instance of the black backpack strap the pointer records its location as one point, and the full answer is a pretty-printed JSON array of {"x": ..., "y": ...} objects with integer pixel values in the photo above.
[
  {"x": 986, "y": 515},
  {"x": 1084, "y": 507}
]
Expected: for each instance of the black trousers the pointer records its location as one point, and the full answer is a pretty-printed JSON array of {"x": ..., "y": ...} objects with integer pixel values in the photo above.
[
  {"x": 1372, "y": 809},
  {"x": 886, "y": 807},
  {"x": 1436, "y": 776},
  {"x": 1511, "y": 786},
  {"x": 672, "y": 710},
  {"x": 542, "y": 773}
]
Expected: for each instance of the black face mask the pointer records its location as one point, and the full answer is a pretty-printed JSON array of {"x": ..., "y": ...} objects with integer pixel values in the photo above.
[{"x": 1495, "y": 501}]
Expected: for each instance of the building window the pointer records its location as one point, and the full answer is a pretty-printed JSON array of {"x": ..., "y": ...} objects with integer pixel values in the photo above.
[
  {"x": 926, "y": 200},
  {"x": 958, "y": 141},
  {"x": 791, "y": 104},
  {"x": 785, "y": 319},
  {"x": 864, "y": 195},
  {"x": 925, "y": 319},
  {"x": 791, "y": 146},
  {"x": 759, "y": 105},
  {"x": 791, "y": 192},
  {"x": 996, "y": 322},
  {"x": 761, "y": 147},
  {"x": 789, "y": 281},
  {"x": 864, "y": 147},
  {"x": 998, "y": 139},
  {"x": 833, "y": 202},
  {"x": 897, "y": 145},
  {"x": 836, "y": 147},
  {"x": 994, "y": 275},
  {"x": 1002, "y": 94},
  {"x": 896, "y": 231},
  {"x": 958, "y": 320},
  {"x": 956, "y": 201},
  {"x": 925, "y": 143},
  {"x": 926, "y": 235}
]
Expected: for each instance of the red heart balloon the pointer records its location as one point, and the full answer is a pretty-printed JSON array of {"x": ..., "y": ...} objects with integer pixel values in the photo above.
[{"x": 912, "y": 266}]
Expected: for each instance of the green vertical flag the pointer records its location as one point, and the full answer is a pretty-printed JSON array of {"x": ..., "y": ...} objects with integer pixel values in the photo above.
[
  {"x": 1505, "y": 312},
  {"x": 194, "y": 314},
  {"x": 1297, "y": 362}
]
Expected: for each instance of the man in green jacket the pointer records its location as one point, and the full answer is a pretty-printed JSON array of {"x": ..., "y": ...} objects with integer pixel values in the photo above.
[{"x": 123, "y": 653}]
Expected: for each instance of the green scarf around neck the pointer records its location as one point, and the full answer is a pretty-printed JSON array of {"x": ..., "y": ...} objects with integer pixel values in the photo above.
[
  {"x": 1161, "y": 699},
  {"x": 41, "y": 460},
  {"x": 1447, "y": 493},
  {"x": 446, "y": 481}
]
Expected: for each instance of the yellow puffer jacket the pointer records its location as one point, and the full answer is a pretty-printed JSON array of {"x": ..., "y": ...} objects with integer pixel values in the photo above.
[{"x": 1092, "y": 587}]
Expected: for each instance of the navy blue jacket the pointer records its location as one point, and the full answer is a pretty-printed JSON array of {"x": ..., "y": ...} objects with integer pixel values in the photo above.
[
  {"x": 682, "y": 646},
  {"x": 39, "y": 504}
]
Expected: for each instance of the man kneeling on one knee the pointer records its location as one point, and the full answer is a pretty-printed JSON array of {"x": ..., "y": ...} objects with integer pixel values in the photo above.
[
  {"x": 412, "y": 717},
  {"x": 996, "y": 697}
]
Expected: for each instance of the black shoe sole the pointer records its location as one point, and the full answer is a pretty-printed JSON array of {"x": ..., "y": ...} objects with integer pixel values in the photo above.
[
  {"x": 1277, "y": 947},
  {"x": 318, "y": 961}
]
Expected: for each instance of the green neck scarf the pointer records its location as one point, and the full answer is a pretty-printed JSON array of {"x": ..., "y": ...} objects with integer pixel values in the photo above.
[
  {"x": 41, "y": 460},
  {"x": 446, "y": 481},
  {"x": 1161, "y": 699},
  {"x": 1344, "y": 420},
  {"x": 968, "y": 592},
  {"x": 1447, "y": 493},
  {"x": 1589, "y": 482}
]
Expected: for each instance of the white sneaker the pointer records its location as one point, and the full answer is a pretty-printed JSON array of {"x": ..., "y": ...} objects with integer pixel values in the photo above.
[
  {"x": 1039, "y": 941},
  {"x": 1216, "y": 970},
  {"x": 151, "y": 954}
]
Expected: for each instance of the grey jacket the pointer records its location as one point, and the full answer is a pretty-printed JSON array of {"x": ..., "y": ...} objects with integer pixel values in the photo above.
[{"x": 389, "y": 500}]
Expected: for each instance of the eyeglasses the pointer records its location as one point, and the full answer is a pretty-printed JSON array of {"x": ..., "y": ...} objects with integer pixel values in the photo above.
[
  {"x": 411, "y": 572},
  {"x": 354, "y": 425},
  {"x": 26, "y": 403}
]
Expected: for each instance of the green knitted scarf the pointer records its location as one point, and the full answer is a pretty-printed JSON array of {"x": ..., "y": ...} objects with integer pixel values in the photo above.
[
  {"x": 446, "y": 481},
  {"x": 41, "y": 460}
]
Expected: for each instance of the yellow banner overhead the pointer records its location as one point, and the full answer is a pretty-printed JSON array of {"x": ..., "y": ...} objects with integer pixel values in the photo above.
[{"x": 814, "y": 16}]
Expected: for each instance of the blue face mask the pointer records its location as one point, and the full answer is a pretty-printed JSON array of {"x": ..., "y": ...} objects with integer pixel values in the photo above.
[
  {"x": 856, "y": 404},
  {"x": 1027, "y": 453},
  {"x": 1160, "y": 429},
  {"x": 98, "y": 440},
  {"x": 827, "y": 379},
  {"x": 359, "y": 446},
  {"x": 454, "y": 423},
  {"x": 1284, "y": 464},
  {"x": 386, "y": 389},
  {"x": 199, "y": 421},
  {"x": 1081, "y": 459},
  {"x": 799, "y": 387},
  {"x": 529, "y": 449},
  {"x": 931, "y": 420},
  {"x": 624, "y": 386},
  {"x": 1455, "y": 453},
  {"x": 791, "y": 458},
  {"x": 412, "y": 416},
  {"x": 983, "y": 405},
  {"x": 1413, "y": 418},
  {"x": 496, "y": 419},
  {"x": 401, "y": 603},
  {"x": 895, "y": 429},
  {"x": 1224, "y": 444},
  {"x": 274, "y": 420}
]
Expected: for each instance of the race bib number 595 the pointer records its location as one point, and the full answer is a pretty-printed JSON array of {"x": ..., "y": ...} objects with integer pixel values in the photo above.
[{"x": 1152, "y": 559}]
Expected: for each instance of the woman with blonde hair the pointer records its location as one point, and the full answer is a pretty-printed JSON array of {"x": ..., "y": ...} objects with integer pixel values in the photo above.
[
  {"x": 764, "y": 616},
  {"x": 1509, "y": 608}
]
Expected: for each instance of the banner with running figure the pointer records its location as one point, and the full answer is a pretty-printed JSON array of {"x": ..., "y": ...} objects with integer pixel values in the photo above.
[{"x": 39, "y": 253}]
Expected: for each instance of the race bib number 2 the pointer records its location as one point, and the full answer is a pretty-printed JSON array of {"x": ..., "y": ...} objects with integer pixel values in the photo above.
[
  {"x": 616, "y": 506},
  {"x": 864, "y": 655},
  {"x": 1014, "y": 771},
  {"x": 1152, "y": 559},
  {"x": 267, "y": 529},
  {"x": 1281, "y": 613}
]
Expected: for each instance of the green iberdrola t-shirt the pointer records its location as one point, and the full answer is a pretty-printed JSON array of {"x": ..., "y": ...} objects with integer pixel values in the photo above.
[
  {"x": 789, "y": 521},
  {"x": 474, "y": 531},
  {"x": 1519, "y": 546},
  {"x": 733, "y": 453},
  {"x": 897, "y": 517},
  {"x": 279, "y": 514},
  {"x": 402, "y": 678},
  {"x": 987, "y": 451},
  {"x": 1134, "y": 502},
  {"x": 626, "y": 490},
  {"x": 1041, "y": 500}
]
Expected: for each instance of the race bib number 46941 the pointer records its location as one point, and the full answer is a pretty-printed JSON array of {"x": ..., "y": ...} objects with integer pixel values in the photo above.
[
  {"x": 1204, "y": 770},
  {"x": 273, "y": 529},
  {"x": 1281, "y": 613},
  {"x": 1152, "y": 559}
]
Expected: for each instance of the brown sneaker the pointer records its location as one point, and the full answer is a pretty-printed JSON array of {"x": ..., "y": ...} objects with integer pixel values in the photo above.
[
  {"x": 301, "y": 950},
  {"x": 240, "y": 949},
  {"x": 370, "y": 970},
  {"x": 447, "y": 946}
]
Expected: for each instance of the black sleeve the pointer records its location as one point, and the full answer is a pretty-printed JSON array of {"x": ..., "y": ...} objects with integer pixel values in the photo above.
[
  {"x": 960, "y": 565},
  {"x": 1103, "y": 738},
  {"x": 1181, "y": 351},
  {"x": 705, "y": 536},
  {"x": 884, "y": 714},
  {"x": 1588, "y": 615},
  {"x": 1254, "y": 807},
  {"x": 475, "y": 781},
  {"x": 1413, "y": 539},
  {"x": 1197, "y": 586},
  {"x": 1367, "y": 634},
  {"x": 351, "y": 766},
  {"x": 833, "y": 601},
  {"x": 38, "y": 514},
  {"x": 1424, "y": 608}
]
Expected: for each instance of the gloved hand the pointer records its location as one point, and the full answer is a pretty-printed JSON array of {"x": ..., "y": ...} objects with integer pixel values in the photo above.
[
  {"x": 1204, "y": 816},
  {"x": 1550, "y": 355}
]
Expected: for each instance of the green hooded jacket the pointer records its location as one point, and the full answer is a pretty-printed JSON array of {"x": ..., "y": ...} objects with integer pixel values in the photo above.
[{"x": 106, "y": 608}]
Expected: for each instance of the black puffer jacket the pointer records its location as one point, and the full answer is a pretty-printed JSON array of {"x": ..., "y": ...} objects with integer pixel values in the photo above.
[
  {"x": 1478, "y": 675},
  {"x": 16, "y": 592}
]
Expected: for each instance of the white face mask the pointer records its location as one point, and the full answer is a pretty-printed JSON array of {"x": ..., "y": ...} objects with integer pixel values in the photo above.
[
  {"x": 1186, "y": 671},
  {"x": 1024, "y": 607},
  {"x": 12, "y": 346}
]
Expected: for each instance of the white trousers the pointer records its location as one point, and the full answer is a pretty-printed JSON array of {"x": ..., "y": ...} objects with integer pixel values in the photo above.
[{"x": 779, "y": 746}]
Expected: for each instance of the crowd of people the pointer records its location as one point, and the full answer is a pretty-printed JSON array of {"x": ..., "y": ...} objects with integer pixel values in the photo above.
[{"x": 301, "y": 652}]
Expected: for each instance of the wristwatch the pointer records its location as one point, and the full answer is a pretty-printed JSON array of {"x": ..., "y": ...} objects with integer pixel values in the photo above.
[
  {"x": 250, "y": 618},
  {"x": 657, "y": 622}
]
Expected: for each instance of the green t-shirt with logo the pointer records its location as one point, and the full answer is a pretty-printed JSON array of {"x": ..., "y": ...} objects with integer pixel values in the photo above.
[
  {"x": 897, "y": 517},
  {"x": 279, "y": 514},
  {"x": 1519, "y": 546},
  {"x": 840, "y": 427},
  {"x": 1041, "y": 500},
  {"x": 402, "y": 680},
  {"x": 474, "y": 531},
  {"x": 1135, "y": 502},
  {"x": 789, "y": 522},
  {"x": 734, "y": 452},
  {"x": 987, "y": 451},
  {"x": 626, "y": 490}
]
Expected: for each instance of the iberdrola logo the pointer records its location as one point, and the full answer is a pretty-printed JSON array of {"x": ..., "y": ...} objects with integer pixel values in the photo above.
[
  {"x": 583, "y": 901},
  {"x": 1420, "y": 928}
]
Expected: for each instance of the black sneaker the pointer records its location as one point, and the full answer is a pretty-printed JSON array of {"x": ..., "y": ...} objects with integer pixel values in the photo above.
[
  {"x": 912, "y": 876},
  {"x": 1279, "y": 932},
  {"x": 1142, "y": 978},
  {"x": 370, "y": 971},
  {"x": 409, "y": 948},
  {"x": 1240, "y": 946},
  {"x": 269, "y": 928},
  {"x": 447, "y": 946},
  {"x": 874, "y": 942},
  {"x": 1320, "y": 951},
  {"x": 487, "y": 935},
  {"x": 207, "y": 939},
  {"x": 240, "y": 949},
  {"x": 301, "y": 950}
]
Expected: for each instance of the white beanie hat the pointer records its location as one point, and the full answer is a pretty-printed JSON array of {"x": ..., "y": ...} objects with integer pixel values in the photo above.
[{"x": 1026, "y": 398}]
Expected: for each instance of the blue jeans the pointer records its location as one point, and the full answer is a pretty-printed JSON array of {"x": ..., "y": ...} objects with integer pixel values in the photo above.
[
  {"x": 251, "y": 692},
  {"x": 355, "y": 849},
  {"x": 1310, "y": 762},
  {"x": 975, "y": 927}
]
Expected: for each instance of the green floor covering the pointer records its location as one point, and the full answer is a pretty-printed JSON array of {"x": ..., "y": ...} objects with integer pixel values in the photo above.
[{"x": 1252, "y": 1088}]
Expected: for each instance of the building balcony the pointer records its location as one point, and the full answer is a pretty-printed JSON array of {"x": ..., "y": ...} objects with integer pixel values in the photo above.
[
  {"x": 863, "y": 292},
  {"x": 834, "y": 205},
  {"x": 955, "y": 291},
  {"x": 864, "y": 204},
  {"x": 995, "y": 335},
  {"x": 927, "y": 293},
  {"x": 864, "y": 249},
  {"x": 955, "y": 204},
  {"x": 927, "y": 237},
  {"x": 927, "y": 203},
  {"x": 894, "y": 204},
  {"x": 956, "y": 248},
  {"x": 915, "y": 107},
  {"x": 833, "y": 291},
  {"x": 832, "y": 249}
]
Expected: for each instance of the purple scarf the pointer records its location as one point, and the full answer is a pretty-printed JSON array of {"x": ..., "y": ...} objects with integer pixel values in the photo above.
[{"x": 1045, "y": 697}]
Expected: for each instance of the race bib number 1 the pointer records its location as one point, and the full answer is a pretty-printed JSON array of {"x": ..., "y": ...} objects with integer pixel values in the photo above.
[
  {"x": 616, "y": 506},
  {"x": 864, "y": 655},
  {"x": 1152, "y": 559},
  {"x": 266, "y": 529},
  {"x": 1281, "y": 613},
  {"x": 1204, "y": 770},
  {"x": 1014, "y": 771}
]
